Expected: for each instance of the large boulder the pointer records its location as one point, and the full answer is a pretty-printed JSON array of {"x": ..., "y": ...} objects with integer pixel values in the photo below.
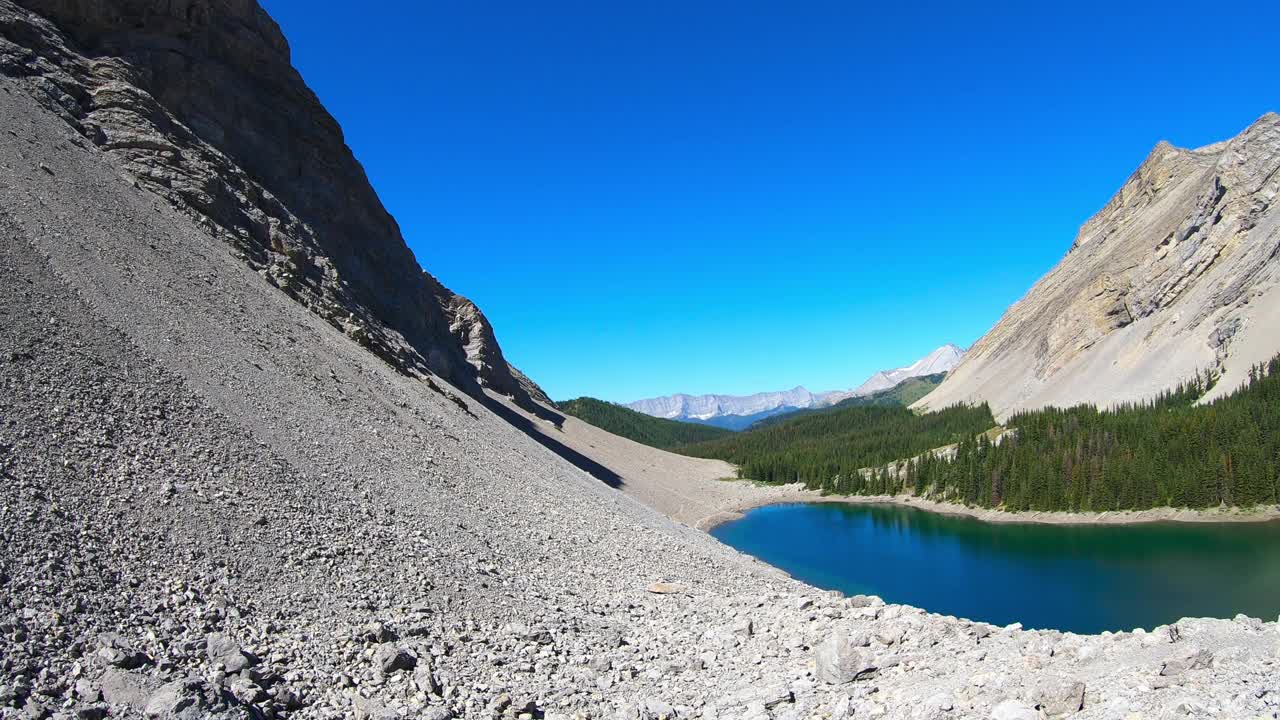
[
  {"x": 1059, "y": 697},
  {"x": 226, "y": 652},
  {"x": 840, "y": 660}
]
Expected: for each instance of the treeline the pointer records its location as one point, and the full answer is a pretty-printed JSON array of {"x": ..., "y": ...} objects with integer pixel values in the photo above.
[
  {"x": 652, "y": 431},
  {"x": 1169, "y": 452},
  {"x": 818, "y": 449},
  {"x": 1166, "y": 452}
]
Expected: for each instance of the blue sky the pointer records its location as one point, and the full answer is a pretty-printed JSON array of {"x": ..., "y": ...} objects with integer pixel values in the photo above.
[{"x": 731, "y": 197}]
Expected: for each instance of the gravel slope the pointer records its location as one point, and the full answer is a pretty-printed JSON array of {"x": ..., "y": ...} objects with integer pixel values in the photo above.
[{"x": 215, "y": 503}]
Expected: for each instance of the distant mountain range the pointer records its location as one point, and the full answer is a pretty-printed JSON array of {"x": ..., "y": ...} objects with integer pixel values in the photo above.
[{"x": 737, "y": 412}]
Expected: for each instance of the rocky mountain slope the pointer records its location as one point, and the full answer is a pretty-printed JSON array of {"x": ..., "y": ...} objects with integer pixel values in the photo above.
[
  {"x": 197, "y": 103},
  {"x": 218, "y": 501},
  {"x": 1178, "y": 273},
  {"x": 737, "y": 412}
]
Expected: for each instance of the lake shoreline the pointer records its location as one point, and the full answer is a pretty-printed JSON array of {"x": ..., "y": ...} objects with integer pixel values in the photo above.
[{"x": 797, "y": 493}]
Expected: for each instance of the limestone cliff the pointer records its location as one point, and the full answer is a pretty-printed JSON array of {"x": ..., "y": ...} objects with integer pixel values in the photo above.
[
  {"x": 197, "y": 102},
  {"x": 1177, "y": 273}
]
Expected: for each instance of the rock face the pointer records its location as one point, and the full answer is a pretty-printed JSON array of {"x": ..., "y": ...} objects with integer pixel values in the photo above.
[
  {"x": 1177, "y": 274},
  {"x": 739, "y": 411},
  {"x": 197, "y": 102}
]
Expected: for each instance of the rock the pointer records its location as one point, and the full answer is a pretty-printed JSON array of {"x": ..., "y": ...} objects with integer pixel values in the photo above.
[
  {"x": 376, "y": 633},
  {"x": 391, "y": 658},
  {"x": 774, "y": 695},
  {"x": 744, "y": 628},
  {"x": 1059, "y": 697},
  {"x": 117, "y": 653},
  {"x": 939, "y": 702},
  {"x": 171, "y": 699},
  {"x": 890, "y": 634},
  {"x": 1198, "y": 660},
  {"x": 247, "y": 691},
  {"x": 1014, "y": 710},
  {"x": 425, "y": 680},
  {"x": 838, "y": 661},
  {"x": 86, "y": 691},
  {"x": 222, "y": 650},
  {"x": 123, "y": 689}
]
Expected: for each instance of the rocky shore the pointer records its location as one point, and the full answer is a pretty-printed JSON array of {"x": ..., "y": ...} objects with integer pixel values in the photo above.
[{"x": 797, "y": 493}]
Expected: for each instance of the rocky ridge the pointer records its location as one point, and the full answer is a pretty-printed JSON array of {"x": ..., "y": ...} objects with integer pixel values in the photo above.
[
  {"x": 215, "y": 502},
  {"x": 1177, "y": 274},
  {"x": 197, "y": 102}
]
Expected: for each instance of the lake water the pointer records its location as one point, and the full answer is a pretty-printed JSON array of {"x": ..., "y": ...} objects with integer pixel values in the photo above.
[{"x": 1079, "y": 578}]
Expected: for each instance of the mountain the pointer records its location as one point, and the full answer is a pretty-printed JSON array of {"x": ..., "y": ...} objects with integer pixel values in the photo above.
[
  {"x": 627, "y": 423},
  {"x": 233, "y": 138},
  {"x": 1178, "y": 273},
  {"x": 727, "y": 411},
  {"x": 737, "y": 412},
  {"x": 255, "y": 463},
  {"x": 942, "y": 360},
  {"x": 903, "y": 394}
]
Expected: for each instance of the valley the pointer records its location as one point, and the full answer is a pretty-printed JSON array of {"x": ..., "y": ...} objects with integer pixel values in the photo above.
[{"x": 256, "y": 461}]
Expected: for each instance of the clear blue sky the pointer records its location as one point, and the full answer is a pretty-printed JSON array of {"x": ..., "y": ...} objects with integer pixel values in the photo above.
[{"x": 657, "y": 197}]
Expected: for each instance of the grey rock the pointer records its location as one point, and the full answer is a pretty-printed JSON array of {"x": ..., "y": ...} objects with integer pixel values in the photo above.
[
  {"x": 392, "y": 658},
  {"x": 1059, "y": 697},
  {"x": 171, "y": 699},
  {"x": 837, "y": 660},
  {"x": 115, "y": 651},
  {"x": 222, "y": 650},
  {"x": 375, "y": 632},
  {"x": 122, "y": 689},
  {"x": 1197, "y": 660}
]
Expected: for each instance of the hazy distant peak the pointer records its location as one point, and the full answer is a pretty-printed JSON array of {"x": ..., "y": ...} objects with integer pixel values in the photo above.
[{"x": 704, "y": 408}]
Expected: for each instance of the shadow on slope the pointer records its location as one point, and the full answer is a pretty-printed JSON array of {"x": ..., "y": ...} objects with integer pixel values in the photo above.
[{"x": 577, "y": 459}]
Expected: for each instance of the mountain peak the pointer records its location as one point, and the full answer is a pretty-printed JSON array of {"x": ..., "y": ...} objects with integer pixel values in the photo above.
[{"x": 1174, "y": 275}]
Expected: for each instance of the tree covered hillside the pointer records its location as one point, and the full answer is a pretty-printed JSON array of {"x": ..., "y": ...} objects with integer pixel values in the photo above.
[
  {"x": 1169, "y": 452},
  {"x": 904, "y": 393},
  {"x": 652, "y": 431},
  {"x": 816, "y": 448}
]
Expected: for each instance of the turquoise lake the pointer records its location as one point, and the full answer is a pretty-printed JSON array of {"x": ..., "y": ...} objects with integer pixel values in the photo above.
[{"x": 1078, "y": 578}]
